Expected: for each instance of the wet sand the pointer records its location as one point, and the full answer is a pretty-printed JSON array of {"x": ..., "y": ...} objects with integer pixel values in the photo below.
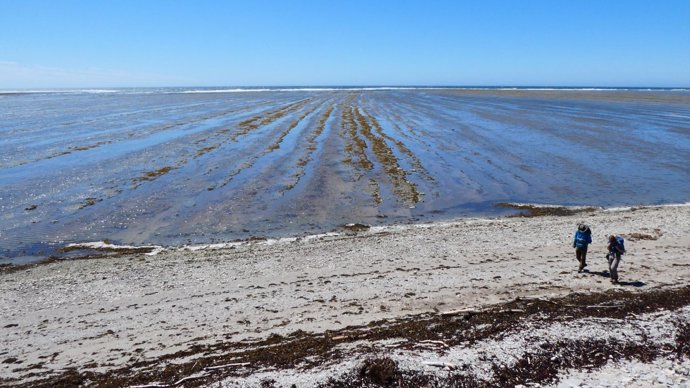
[
  {"x": 133, "y": 315},
  {"x": 172, "y": 168}
]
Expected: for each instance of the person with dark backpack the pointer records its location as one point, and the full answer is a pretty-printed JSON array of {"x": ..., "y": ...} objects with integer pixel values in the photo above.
[
  {"x": 616, "y": 248},
  {"x": 583, "y": 237}
]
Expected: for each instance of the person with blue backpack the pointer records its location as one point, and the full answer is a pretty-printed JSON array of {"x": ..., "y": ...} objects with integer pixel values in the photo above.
[
  {"x": 616, "y": 248},
  {"x": 582, "y": 239}
]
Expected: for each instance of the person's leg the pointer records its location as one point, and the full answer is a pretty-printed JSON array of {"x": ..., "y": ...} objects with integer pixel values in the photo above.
[
  {"x": 613, "y": 266},
  {"x": 578, "y": 254},
  {"x": 584, "y": 257}
]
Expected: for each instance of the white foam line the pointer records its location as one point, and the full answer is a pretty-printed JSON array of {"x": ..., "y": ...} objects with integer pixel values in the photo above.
[
  {"x": 201, "y": 247},
  {"x": 155, "y": 249},
  {"x": 249, "y": 90},
  {"x": 58, "y": 91},
  {"x": 618, "y": 209},
  {"x": 270, "y": 241},
  {"x": 320, "y": 89},
  {"x": 201, "y": 91},
  {"x": 628, "y": 208},
  {"x": 604, "y": 209},
  {"x": 551, "y": 206}
]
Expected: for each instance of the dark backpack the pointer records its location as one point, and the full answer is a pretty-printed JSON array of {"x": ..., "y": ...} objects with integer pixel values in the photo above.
[{"x": 621, "y": 243}]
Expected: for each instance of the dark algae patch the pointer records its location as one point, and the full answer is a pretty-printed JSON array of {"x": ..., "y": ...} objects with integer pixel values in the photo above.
[
  {"x": 303, "y": 351},
  {"x": 540, "y": 211},
  {"x": 205, "y": 150},
  {"x": 90, "y": 202},
  {"x": 355, "y": 228},
  {"x": 403, "y": 188},
  {"x": 368, "y": 150},
  {"x": 152, "y": 175},
  {"x": 356, "y": 146},
  {"x": 269, "y": 117}
]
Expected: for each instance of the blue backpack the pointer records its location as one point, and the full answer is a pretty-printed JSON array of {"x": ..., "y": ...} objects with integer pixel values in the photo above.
[
  {"x": 582, "y": 239},
  {"x": 621, "y": 242}
]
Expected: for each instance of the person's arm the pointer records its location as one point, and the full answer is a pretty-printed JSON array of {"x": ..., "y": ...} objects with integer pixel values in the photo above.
[{"x": 574, "y": 239}]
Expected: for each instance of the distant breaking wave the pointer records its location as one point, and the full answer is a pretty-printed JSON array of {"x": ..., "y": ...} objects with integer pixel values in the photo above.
[
  {"x": 58, "y": 91},
  {"x": 182, "y": 90},
  {"x": 373, "y": 88},
  {"x": 306, "y": 89}
]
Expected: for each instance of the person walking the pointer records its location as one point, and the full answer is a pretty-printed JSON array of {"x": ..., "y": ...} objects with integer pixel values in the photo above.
[
  {"x": 582, "y": 239},
  {"x": 614, "y": 257}
]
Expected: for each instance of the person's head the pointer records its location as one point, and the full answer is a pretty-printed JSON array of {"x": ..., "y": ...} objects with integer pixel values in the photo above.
[
  {"x": 582, "y": 227},
  {"x": 612, "y": 238}
]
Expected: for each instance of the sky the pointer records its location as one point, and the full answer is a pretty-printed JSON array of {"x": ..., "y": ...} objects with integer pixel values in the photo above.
[{"x": 138, "y": 43}]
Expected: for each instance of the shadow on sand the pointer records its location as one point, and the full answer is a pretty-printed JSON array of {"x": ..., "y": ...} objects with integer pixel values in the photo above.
[{"x": 606, "y": 274}]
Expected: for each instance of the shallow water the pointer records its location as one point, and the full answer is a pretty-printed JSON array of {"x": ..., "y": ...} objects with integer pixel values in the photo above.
[{"x": 170, "y": 167}]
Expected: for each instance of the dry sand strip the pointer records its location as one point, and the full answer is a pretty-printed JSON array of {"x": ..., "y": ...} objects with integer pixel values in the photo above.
[{"x": 136, "y": 317}]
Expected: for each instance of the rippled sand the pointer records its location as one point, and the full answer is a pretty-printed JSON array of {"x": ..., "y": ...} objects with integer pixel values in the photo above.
[{"x": 177, "y": 168}]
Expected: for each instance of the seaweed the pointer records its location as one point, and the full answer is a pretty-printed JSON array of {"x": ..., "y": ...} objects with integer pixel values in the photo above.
[
  {"x": 152, "y": 175},
  {"x": 90, "y": 202},
  {"x": 308, "y": 350},
  {"x": 541, "y": 211}
]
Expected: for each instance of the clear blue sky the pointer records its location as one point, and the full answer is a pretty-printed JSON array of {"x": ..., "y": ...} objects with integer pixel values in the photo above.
[{"x": 101, "y": 43}]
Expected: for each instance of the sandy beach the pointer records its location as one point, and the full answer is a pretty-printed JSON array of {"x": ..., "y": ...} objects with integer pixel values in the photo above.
[{"x": 136, "y": 319}]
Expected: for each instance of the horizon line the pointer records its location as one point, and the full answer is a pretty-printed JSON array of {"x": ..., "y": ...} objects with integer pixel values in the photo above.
[{"x": 344, "y": 86}]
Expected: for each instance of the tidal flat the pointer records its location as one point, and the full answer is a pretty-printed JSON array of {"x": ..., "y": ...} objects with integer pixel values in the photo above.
[{"x": 185, "y": 166}]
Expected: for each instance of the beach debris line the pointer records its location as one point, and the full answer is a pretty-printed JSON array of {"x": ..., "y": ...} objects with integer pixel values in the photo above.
[
  {"x": 435, "y": 342},
  {"x": 537, "y": 210},
  {"x": 175, "y": 384},
  {"x": 356, "y": 227},
  {"x": 460, "y": 312},
  {"x": 205, "y": 373},
  {"x": 440, "y": 364},
  {"x": 641, "y": 236},
  {"x": 539, "y": 362},
  {"x": 231, "y": 365}
]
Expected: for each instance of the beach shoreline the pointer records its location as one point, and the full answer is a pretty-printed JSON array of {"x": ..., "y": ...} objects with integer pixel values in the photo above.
[{"x": 136, "y": 312}]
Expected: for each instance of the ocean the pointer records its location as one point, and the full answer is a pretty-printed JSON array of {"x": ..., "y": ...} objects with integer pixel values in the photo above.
[{"x": 176, "y": 166}]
